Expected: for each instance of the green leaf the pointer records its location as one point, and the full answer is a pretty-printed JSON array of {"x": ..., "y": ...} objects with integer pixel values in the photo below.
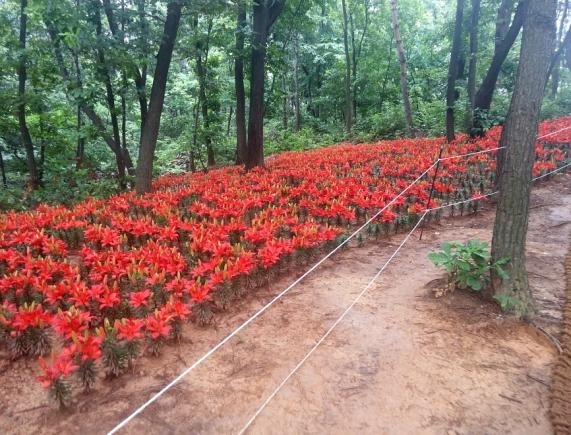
[{"x": 474, "y": 284}]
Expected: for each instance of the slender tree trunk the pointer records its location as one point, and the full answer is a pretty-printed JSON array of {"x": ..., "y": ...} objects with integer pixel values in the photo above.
[
  {"x": 88, "y": 110},
  {"x": 348, "y": 95},
  {"x": 453, "y": 71},
  {"x": 284, "y": 103},
  {"x": 265, "y": 12},
  {"x": 22, "y": 76},
  {"x": 473, "y": 65},
  {"x": 229, "y": 123},
  {"x": 403, "y": 68},
  {"x": 103, "y": 71},
  {"x": 202, "y": 72},
  {"x": 80, "y": 146},
  {"x": 555, "y": 63},
  {"x": 483, "y": 99},
  {"x": 3, "y": 170},
  {"x": 151, "y": 130},
  {"x": 241, "y": 145},
  {"x": 296, "y": 99},
  {"x": 519, "y": 138},
  {"x": 565, "y": 47}
]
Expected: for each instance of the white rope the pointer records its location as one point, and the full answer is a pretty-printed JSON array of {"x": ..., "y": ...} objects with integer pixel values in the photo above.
[
  {"x": 553, "y": 132},
  {"x": 471, "y": 154},
  {"x": 359, "y": 296},
  {"x": 262, "y": 310},
  {"x": 496, "y": 192},
  {"x": 552, "y": 172},
  {"x": 285, "y": 291},
  {"x": 331, "y": 328}
]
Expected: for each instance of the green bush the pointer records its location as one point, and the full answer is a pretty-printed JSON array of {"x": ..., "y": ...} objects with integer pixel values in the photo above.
[{"x": 468, "y": 264}]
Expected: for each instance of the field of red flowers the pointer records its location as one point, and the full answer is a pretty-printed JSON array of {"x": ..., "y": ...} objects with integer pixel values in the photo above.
[{"x": 90, "y": 289}]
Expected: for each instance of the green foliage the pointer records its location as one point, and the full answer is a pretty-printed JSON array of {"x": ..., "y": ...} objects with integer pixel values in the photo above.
[
  {"x": 468, "y": 264},
  {"x": 65, "y": 187}
]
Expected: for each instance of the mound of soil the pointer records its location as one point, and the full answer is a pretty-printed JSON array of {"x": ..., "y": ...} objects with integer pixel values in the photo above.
[{"x": 561, "y": 385}]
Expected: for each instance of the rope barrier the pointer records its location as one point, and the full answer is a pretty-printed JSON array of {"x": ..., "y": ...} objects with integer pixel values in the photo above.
[
  {"x": 496, "y": 192},
  {"x": 471, "y": 154},
  {"x": 554, "y": 132},
  {"x": 328, "y": 332},
  {"x": 199, "y": 361},
  {"x": 262, "y": 310},
  {"x": 339, "y": 319}
]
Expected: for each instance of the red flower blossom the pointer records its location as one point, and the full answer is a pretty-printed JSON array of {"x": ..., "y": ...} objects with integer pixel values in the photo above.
[{"x": 140, "y": 299}]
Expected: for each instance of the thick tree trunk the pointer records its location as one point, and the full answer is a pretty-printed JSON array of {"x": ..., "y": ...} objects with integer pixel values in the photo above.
[
  {"x": 264, "y": 15},
  {"x": 519, "y": 136},
  {"x": 22, "y": 76},
  {"x": 150, "y": 132},
  {"x": 241, "y": 145},
  {"x": 453, "y": 71},
  {"x": 473, "y": 65},
  {"x": 403, "y": 69},
  {"x": 348, "y": 96},
  {"x": 483, "y": 98}
]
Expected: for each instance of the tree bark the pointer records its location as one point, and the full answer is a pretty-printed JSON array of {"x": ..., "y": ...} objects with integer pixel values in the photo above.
[
  {"x": 150, "y": 131},
  {"x": 241, "y": 145},
  {"x": 22, "y": 122},
  {"x": 202, "y": 48},
  {"x": 103, "y": 72},
  {"x": 453, "y": 71},
  {"x": 556, "y": 61},
  {"x": 403, "y": 69},
  {"x": 483, "y": 99},
  {"x": 473, "y": 65},
  {"x": 3, "y": 170},
  {"x": 265, "y": 13},
  {"x": 348, "y": 99},
  {"x": 88, "y": 110},
  {"x": 519, "y": 137},
  {"x": 296, "y": 99}
]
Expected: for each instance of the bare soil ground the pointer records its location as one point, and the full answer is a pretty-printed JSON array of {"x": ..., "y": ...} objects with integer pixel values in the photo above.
[{"x": 400, "y": 362}]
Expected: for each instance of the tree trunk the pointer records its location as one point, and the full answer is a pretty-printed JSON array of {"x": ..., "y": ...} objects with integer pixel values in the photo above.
[
  {"x": 453, "y": 71},
  {"x": 483, "y": 98},
  {"x": 473, "y": 65},
  {"x": 150, "y": 132},
  {"x": 22, "y": 76},
  {"x": 519, "y": 137},
  {"x": 123, "y": 157},
  {"x": 403, "y": 75},
  {"x": 348, "y": 99},
  {"x": 265, "y": 12},
  {"x": 296, "y": 99},
  {"x": 3, "y": 170},
  {"x": 241, "y": 145},
  {"x": 284, "y": 103},
  {"x": 556, "y": 61},
  {"x": 80, "y": 147},
  {"x": 88, "y": 110}
]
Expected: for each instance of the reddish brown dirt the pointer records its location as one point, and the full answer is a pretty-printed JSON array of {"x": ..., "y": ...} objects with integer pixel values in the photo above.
[
  {"x": 561, "y": 389},
  {"x": 400, "y": 362}
]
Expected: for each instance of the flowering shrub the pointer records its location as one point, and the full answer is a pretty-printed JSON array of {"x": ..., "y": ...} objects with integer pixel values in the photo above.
[{"x": 108, "y": 279}]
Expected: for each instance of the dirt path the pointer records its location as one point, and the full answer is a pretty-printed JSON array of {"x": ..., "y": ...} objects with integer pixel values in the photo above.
[{"x": 400, "y": 362}]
